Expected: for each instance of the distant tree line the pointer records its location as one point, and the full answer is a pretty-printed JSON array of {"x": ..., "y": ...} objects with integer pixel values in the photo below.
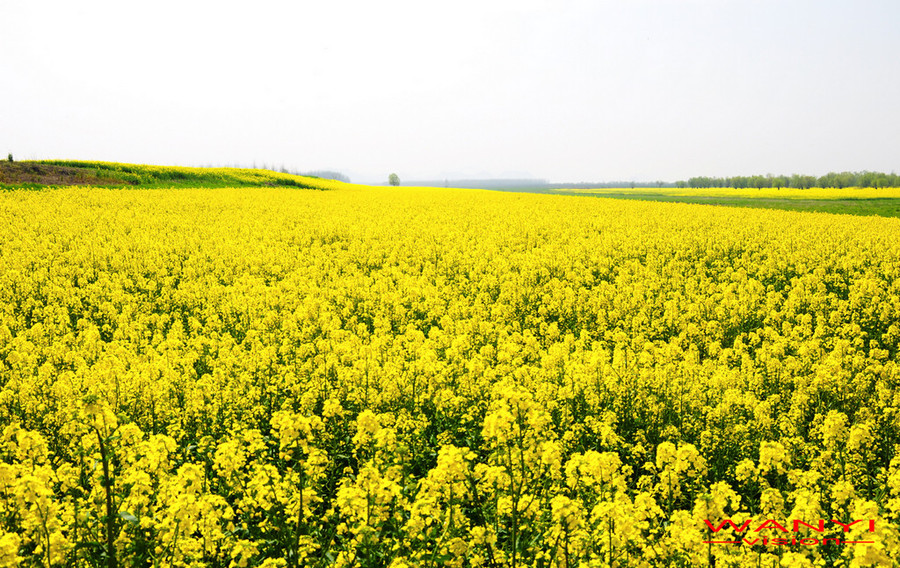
[
  {"x": 612, "y": 184},
  {"x": 325, "y": 174},
  {"x": 322, "y": 174},
  {"x": 832, "y": 179}
]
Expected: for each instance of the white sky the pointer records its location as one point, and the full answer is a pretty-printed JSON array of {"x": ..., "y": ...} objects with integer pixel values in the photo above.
[{"x": 566, "y": 90}]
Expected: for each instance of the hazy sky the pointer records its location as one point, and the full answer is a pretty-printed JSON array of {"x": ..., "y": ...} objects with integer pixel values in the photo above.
[{"x": 566, "y": 90}]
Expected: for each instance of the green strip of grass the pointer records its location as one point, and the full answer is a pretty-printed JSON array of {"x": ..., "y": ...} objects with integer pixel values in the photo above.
[{"x": 883, "y": 207}]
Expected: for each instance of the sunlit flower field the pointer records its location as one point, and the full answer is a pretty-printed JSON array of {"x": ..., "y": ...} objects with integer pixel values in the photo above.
[{"x": 390, "y": 377}]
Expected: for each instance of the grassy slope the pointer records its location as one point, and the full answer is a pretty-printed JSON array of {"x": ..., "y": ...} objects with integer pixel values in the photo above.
[{"x": 36, "y": 175}]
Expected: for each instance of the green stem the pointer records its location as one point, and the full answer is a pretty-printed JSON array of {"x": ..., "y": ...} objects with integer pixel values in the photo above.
[
  {"x": 296, "y": 560},
  {"x": 110, "y": 520}
]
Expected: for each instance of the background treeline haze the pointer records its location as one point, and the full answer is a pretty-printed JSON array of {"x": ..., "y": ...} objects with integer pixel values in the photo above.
[{"x": 832, "y": 179}]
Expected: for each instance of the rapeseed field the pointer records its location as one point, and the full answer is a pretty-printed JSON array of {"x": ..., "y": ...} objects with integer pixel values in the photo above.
[{"x": 395, "y": 377}]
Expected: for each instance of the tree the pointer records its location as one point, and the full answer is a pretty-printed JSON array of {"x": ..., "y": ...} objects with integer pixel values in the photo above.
[{"x": 394, "y": 179}]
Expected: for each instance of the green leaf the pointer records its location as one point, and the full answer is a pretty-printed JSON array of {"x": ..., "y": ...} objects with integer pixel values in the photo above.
[{"x": 129, "y": 518}]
